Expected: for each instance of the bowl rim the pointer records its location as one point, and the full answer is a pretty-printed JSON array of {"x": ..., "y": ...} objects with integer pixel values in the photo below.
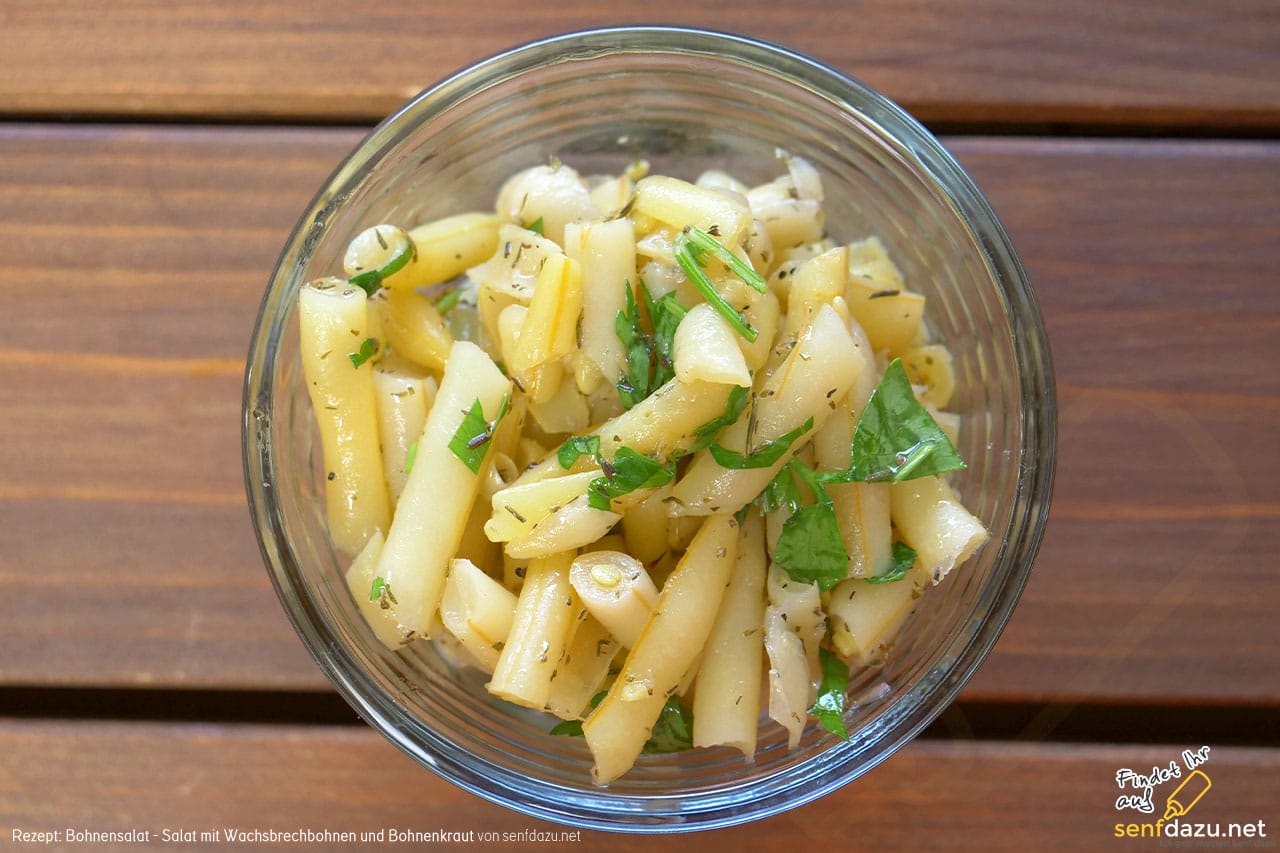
[{"x": 1032, "y": 360}]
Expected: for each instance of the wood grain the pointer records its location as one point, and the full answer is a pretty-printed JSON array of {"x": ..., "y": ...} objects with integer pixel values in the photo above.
[
  {"x": 949, "y": 795},
  {"x": 141, "y": 254},
  {"x": 1191, "y": 63}
]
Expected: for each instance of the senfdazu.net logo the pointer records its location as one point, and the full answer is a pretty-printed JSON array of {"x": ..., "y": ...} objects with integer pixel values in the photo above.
[{"x": 1168, "y": 794}]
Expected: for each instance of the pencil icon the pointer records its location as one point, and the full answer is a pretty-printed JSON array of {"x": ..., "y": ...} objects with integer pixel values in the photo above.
[{"x": 1178, "y": 803}]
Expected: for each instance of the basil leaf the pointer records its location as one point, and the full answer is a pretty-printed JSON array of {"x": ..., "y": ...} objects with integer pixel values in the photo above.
[
  {"x": 897, "y": 439},
  {"x": 627, "y": 472},
  {"x": 368, "y": 349},
  {"x": 769, "y": 453},
  {"x": 904, "y": 557},
  {"x": 471, "y": 440},
  {"x": 579, "y": 445},
  {"x": 810, "y": 547},
  {"x": 828, "y": 708},
  {"x": 673, "y": 730}
]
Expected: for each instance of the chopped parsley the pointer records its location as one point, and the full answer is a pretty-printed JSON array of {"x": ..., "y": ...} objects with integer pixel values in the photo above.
[
  {"x": 410, "y": 457},
  {"x": 537, "y": 226},
  {"x": 368, "y": 349},
  {"x": 472, "y": 438}
]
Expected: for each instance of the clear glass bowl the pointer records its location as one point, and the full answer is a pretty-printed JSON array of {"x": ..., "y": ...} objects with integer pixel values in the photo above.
[{"x": 687, "y": 101}]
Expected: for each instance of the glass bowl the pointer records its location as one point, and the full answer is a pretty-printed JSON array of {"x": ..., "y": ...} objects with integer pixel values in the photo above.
[{"x": 687, "y": 101}]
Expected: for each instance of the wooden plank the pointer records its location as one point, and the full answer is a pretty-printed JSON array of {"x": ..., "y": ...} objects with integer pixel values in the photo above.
[
  {"x": 1195, "y": 63},
  {"x": 932, "y": 794},
  {"x": 122, "y": 496},
  {"x": 1150, "y": 261}
]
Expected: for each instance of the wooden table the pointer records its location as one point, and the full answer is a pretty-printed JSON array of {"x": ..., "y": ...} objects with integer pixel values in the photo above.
[{"x": 153, "y": 157}]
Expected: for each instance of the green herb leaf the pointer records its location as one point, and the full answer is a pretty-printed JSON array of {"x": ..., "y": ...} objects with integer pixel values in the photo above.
[
  {"x": 673, "y": 730},
  {"x": 471, "y": 440},
  {"x": 410, "y": 457},
  {"x": 368, "y": 349},
  {"x": 648, "y": 336},
  {"x": 768, "y": 453},
  {"x": 537, "y": 226},
  {"x": 380, "y": 592},
  {"x": 579, "y": 445},
  {"x": 897, "y": 439},
  {"x": 706, "y": 434},
  {"x": 468, "y": 443},
  {"x": 633, "y": 385},
  {"x": 689, "y": 252},
  {"x": 828, "y": 708},
  {"x": 782, "y": 491},
  {"x": 370, "y": 280},
  {"x": 904, "y": 557},
  {"x": 627, "y": 472},
  {"x": 573, "y": 728},
  {"x": 701, "y": 244},
  {"x": 446, "y": 303},
  {"x": 810, "y": 547},
  {"x": 568, "y": 728},
  {"x": 665, "y": 315}
]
